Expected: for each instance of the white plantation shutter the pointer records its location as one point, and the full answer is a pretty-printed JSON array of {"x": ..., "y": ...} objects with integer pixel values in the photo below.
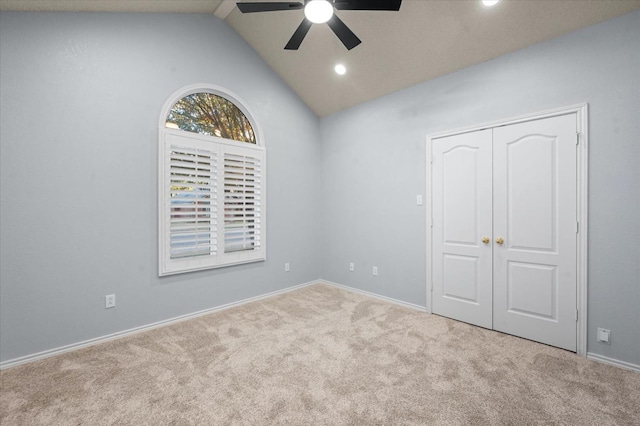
[
  {"x": 242, "y": 206},
  {"x": 193, "y": 202},
  {"x": 212, "y": 203}
]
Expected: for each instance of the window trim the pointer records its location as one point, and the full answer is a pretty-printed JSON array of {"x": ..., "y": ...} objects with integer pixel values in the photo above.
[{"x": 164, "y": 265}]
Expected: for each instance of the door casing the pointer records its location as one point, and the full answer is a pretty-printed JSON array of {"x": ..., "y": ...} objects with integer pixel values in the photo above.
[{"x": 581, "y": 111}]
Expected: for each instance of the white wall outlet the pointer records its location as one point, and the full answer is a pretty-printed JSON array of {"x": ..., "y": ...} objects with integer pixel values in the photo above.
[
  {"x": 287, "y": 267},
  {"x": 375, "y": 270},
  {"x": 352, "y": 267},
  {"x": 110, "y": 301},
  {"x": 603, "y": 335},
  {"x": 419, "y": 200}
]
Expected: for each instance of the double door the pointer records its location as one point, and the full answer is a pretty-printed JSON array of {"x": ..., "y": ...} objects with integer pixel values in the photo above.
[{"x": 504, "y": 229}]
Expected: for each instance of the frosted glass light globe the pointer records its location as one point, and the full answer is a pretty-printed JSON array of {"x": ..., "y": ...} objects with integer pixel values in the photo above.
[{"x": 318, "y": 11}]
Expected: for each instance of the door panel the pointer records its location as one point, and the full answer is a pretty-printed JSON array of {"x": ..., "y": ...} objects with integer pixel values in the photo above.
[
  {"x": 531, "y": 182},
  {"x": 532, "y": 290},
  {"x": 460, "y": 278},
  {"x": 534, "y": 211},
  {"x": 459, "y": 174},
  {"x": 461, "y": 203}
]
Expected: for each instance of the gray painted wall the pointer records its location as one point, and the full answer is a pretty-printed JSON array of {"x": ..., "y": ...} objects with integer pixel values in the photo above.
[
  {"x": 374, "y": 166},
  {"x": 81, "y": 98},
  {"x": 81, "y": 95}
]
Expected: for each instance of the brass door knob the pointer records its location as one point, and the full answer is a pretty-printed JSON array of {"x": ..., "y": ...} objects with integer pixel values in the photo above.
[
  {"x": 499, "y": 240},
  {"x": 485, "y": 240}
]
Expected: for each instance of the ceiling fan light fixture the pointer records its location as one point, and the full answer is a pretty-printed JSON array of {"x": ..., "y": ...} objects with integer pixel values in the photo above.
[{"x": 318, "y": 11}]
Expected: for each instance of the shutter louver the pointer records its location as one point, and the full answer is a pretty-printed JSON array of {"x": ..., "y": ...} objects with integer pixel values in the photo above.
[
  {"x": 192, "y": 203},
  {"x": 242, "y": 202}
]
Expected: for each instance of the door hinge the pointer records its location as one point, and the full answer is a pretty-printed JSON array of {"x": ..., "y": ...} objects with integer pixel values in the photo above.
[
  {"x": 577, "y": 138},
  {"x": 577, "y": 226},
  {"x": 576, "y": 315}
]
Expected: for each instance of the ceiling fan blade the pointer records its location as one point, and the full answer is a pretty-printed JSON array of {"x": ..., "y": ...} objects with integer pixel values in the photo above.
[
  {"x": 251, "y": 7},
  {"x": 390, "y": 5},
  {"x": 299, "y": 35},
  {"x": 346, "y": 36}
]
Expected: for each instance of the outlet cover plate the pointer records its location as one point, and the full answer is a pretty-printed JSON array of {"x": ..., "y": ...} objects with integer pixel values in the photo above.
[
  {"x": 110, "y": 301},
  {"x": 603, "y": 335}
]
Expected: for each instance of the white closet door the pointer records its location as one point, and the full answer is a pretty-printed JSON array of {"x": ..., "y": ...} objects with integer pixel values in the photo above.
[
  {"x": 462, "y": 204},
  {"x": 535, "y": 225}
]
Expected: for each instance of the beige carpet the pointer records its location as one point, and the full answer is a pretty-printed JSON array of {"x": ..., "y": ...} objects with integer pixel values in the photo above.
[{"x": 319, "y": 356}]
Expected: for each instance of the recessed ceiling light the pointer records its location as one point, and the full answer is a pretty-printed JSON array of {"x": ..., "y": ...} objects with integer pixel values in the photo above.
[
  {"x": 490, "y": 3},
  {"x": 340, "y": 69}
]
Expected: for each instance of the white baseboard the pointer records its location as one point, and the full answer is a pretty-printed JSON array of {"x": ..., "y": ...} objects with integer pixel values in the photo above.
[
  {"x": 75, "y": 346},
  {"x": 612, "y": 361},
  {"x": 374, "y": 295}
]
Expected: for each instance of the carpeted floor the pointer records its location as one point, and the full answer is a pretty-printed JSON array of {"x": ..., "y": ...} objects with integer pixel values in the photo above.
[{"x": 319, "y": 356}]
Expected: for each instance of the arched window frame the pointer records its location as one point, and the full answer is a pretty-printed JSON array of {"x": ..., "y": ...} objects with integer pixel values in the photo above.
[{"x": 225, "y": 150}]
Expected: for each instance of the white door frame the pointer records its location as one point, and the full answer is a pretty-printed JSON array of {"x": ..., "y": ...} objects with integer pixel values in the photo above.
[{"x": 581, "y": 111}]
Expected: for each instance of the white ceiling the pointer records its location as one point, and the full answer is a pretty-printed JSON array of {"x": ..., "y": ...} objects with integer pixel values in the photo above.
[{"x": 424, "y": 40}]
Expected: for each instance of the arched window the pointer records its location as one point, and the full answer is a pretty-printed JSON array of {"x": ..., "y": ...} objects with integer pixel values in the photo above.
[
  {"x": 211, "y": 181},
  {"x": 209, "y": 114}
]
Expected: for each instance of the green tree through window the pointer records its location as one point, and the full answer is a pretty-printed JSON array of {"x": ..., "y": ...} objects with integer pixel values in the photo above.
[{"x": 213, "y": 115}]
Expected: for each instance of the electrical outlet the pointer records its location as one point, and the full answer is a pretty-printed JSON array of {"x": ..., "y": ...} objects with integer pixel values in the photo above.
[
  {"x": 287, "y": 267},
  {"x": 419, "y": 200},
  {"x": 110, "y": 301},
  {"x": 352, "y": 267},
  {"x": 603, "y": 335},
  {"x": 375, "y": 270}
]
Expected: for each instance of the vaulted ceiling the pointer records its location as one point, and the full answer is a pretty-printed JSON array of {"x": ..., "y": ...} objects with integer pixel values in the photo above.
[{"x": 424, "y": 40}]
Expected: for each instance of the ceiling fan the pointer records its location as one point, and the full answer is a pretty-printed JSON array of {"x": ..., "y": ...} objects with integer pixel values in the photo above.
[{"x": 321, "y": 11}]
